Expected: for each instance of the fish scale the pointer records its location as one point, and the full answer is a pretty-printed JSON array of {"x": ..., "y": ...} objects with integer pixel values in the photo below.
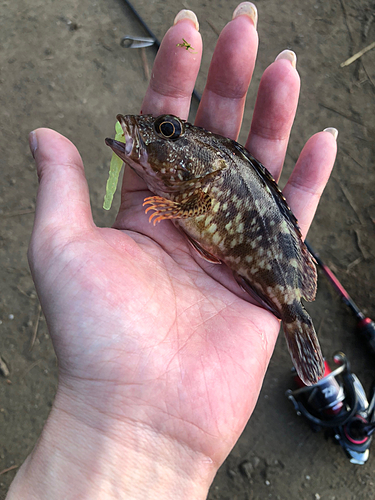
[{"x": 232, "y": 212}]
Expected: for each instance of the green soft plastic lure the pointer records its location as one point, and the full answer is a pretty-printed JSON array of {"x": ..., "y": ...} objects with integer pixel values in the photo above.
[{"x": 114, "y": 171}]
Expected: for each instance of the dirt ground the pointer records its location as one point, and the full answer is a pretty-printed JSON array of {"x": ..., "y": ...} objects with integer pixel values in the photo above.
[{"x": 62, "y": 66}]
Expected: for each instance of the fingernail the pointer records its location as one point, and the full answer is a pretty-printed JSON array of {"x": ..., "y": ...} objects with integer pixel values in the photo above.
[
  {"x": 247, "y": 9},
  {"x": 289, "y": 55},
  {"x": 187, "y": 14},
  {"x": 332, "y": 131},
  {"x": 33, "y": 143}
]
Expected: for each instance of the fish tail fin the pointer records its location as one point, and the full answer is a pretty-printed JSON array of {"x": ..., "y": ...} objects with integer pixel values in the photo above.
[{"x": 304, "y": 348}]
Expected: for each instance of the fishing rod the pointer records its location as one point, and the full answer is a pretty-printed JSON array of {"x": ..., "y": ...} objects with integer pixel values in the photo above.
[{"x": 365, "y": 325}]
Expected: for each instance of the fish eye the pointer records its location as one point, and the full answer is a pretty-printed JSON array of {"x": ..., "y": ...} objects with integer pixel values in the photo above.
[{"x": 168, "y": 127}]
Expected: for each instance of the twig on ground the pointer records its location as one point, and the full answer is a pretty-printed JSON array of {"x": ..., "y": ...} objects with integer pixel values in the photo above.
[
  {"x": 213, "y": 27},
  {"x": 353, "y": 264},
  {"x": 24, "y": 293},
  {"x": 36, "y": 363},
  {"x": 343, "y": 7},
  {"x": 357, "y": 55},
  {"x": 367, "y": 25},
  {"x": 341, "y": 114},
  {"x": 366, "y": 255},
  {"x": 350, "y": 200},
  {"x": 19, "y": 212},
  {"x": 146, "y": 68},
  {"x": 353, "y": 159},
  {"x": 4, "y": 471},
  {"x": 368, "y": 75},
  {"x": 35, "y": 331}
]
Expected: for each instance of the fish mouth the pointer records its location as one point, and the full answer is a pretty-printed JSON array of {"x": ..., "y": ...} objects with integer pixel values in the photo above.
[
  {"x": 117, "y": 147},
  {"x": 134, "y": 146}
]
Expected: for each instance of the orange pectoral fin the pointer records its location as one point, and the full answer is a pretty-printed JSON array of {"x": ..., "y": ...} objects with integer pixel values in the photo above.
[
  {"x": 163, "y": 209},
  {"x": 196, "y": 204}
]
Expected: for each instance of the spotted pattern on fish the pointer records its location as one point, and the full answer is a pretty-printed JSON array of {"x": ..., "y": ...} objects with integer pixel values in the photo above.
[{"x": 232, "y": 212}]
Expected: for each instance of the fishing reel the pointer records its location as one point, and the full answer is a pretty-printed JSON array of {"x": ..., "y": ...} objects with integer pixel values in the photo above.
[{"x": 338, "y": 404}]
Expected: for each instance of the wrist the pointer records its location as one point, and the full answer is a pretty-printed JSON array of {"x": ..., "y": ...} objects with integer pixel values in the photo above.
[{"x": 101, "y": 457}]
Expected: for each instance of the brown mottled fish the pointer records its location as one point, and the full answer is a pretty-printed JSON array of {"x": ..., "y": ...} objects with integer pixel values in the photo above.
[{"x": 232, "y": 211}]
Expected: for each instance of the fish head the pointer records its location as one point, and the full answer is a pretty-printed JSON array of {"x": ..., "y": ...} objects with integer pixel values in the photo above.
[{"x": 165, "y": 151}]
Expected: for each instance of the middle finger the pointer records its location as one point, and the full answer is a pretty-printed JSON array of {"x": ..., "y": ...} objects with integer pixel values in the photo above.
[{"x": 231, "y": 69}]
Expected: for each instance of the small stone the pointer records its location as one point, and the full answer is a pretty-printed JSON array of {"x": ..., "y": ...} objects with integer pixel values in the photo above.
[
  {"x": 4, "y": 368},
  {"x": 267, "y": 483},
  {"x": 271, "y": 462},
  {"x": 246, "y": 468},
  {"x": 308, "y": 478},
  {"x": 317, "y": 496},
  {"x": 11, "y": 316}
]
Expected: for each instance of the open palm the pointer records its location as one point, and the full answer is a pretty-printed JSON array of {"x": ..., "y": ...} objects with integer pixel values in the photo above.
[{"x": 145, "y": 332}]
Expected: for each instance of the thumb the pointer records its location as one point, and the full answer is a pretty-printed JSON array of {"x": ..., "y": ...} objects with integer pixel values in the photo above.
[{"x": 63, "y": 203}]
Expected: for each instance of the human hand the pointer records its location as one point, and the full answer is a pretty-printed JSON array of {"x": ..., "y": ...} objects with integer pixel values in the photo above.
[{"x": 160, "y": 366}]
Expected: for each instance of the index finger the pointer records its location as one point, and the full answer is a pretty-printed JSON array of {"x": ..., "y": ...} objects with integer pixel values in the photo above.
[{"x": 175, "y": 68}]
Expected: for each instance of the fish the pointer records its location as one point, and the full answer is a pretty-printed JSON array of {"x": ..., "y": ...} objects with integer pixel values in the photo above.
[{"x": 232, "y": 212}]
